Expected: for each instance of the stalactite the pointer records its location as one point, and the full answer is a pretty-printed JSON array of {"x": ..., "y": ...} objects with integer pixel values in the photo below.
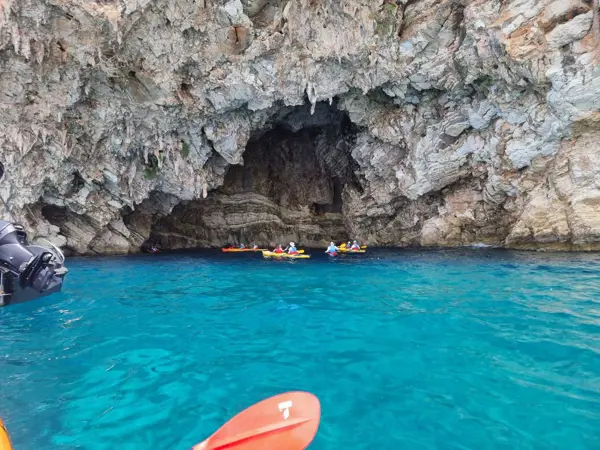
[
  {"x": 26, "y": 48},
  {"x": 311, "y": 92},
  {"x": 131, "y": 176},
  {"x": 16, "y": 38},
  {"x": 40, "y": 52}
]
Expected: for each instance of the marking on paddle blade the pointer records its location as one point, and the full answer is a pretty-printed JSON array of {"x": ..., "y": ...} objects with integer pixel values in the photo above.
[{"x": 285, "y": 407}]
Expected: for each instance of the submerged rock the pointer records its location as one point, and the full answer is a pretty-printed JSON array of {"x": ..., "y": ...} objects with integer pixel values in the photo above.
[{"x": 198, "y": 122}]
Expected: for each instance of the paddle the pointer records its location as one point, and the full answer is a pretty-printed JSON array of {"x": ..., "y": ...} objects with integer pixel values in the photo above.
[{"x": 284, "y": 422}]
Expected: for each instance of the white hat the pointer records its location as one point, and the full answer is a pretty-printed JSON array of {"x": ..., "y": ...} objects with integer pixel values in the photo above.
[{"x": 292, "y": 244}]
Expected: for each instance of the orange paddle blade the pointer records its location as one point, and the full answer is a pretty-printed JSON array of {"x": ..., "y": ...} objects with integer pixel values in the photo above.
[
  {"x": 284, "y": 422},
  {"x": 4, "y": 439}
]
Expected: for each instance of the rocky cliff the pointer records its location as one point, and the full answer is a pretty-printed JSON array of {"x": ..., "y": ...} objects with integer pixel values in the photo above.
[{"x": 201, "y": 122}]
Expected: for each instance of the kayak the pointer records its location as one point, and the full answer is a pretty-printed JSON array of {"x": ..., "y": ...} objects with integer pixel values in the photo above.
[
  {"x": 268, "y": 254},
  {"x": 343, "y": 250},
  {"x": 332, "y": 253},
  {"x": 4, "y": 439},
  {"x": 238, "y": 250},
  {"x": 343, "y": 247}
]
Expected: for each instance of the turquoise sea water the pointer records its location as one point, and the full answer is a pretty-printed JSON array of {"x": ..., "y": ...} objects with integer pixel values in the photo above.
[{"x": 405, "y": 350}]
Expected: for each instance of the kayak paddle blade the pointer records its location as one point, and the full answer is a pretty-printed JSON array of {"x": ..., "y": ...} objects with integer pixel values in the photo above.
[{"x": 287, "y": 421}]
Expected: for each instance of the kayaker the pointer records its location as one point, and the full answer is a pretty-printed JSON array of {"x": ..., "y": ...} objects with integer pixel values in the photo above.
[
  {"x": 355, "y": 246},
  {"x": 278, "y": 249},
  {"x": 332, "y": 249},
  {"x": 349, "y": 245},
  {"x": 292, "y": 249},
  {"x": 242, "y": 246},
  {"x": 254, "y": 246}
]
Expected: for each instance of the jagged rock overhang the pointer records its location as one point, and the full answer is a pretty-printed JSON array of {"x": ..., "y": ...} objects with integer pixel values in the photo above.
[
  {"x": 290, "y": 187},
  {"x": 147, "y": 98}
]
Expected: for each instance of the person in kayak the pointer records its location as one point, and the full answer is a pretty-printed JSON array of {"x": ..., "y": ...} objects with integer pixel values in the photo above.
[
  {"x": 254, "y": 246},
  {"x": 332, "y": 249},
  {"x": 355, "y": 246},
  {"x": 242, "y": 246},
  {"x": 278, "y": 249},
  {"x": 292, "y": 249}
]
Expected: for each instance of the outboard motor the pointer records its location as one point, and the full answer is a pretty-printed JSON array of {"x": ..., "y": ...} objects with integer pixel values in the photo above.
[
  {"x": 27, "y": 271},
  {"x": 34, "y": 271},
  {"x": 12, "y": 251}
]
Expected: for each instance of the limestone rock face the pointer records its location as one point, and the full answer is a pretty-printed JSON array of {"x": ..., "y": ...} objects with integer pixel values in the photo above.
[{"x": 201, "y": 122}]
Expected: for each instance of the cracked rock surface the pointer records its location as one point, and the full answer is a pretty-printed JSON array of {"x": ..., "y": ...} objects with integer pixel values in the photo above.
[{"x": 202, "y": 122}]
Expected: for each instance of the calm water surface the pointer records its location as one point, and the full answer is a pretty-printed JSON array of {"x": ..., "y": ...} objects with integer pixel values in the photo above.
[{"x": 406, "y": 350}]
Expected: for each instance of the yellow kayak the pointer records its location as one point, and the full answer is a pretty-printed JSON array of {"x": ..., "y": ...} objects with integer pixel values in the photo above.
[
  {"x": 238, "y": 250},
  {"x": 4, "y": 439},
  {"x": 343, "y": 247},
  {"x": 268, "y": 254},
  {"x": 343, "y": 250}
]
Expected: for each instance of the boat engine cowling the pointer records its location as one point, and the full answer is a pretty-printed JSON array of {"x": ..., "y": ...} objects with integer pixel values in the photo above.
[
  {"x": 34, "y": 270},
  {"x": 12, "y": 251},
  {"x": 27, "y": 271}
]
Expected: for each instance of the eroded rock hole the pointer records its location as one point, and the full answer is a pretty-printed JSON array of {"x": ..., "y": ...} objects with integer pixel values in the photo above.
[
  {"x": 290, "y": 187},
  {"x": 77, "y": 183}
]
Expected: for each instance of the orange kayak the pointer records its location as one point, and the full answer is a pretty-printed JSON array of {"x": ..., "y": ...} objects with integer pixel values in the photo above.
[{"x": 4, "y": 439}]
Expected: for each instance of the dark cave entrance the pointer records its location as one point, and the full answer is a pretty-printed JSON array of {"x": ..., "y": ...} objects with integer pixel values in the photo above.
[{"x": 290, "y": 188}]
